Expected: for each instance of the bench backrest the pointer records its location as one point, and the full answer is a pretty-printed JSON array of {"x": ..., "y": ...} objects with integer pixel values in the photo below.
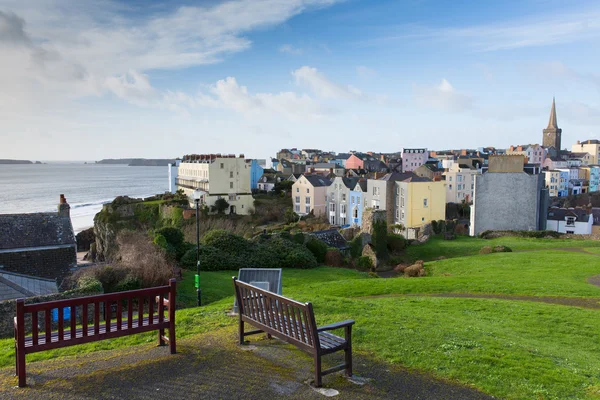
[
  {"x": 278, "y": 315},
  {"x": 96, "y": 311}
]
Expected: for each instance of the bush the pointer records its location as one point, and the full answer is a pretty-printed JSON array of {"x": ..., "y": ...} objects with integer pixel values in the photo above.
[
  {"x": 299, "y": 258},
  {"x": 290, "y": 254},
  {"x": 188, "y": 260},
  {"x": 173, "y": 236},
  {"x": 356, "y": 247},
  {"x": 395, "y": 242},
  {"x": 290, "y": 216},
  {"x": 502, "y": 249},
  {"x": 213, "y": 259},
  {"x": 298, "y": 238},
  {"x": 227, "y": 242},
  {"x": 317, "y": 248},
  {"x": 364, "y": 263},
  {"x": 129, "y": 283},
  {"x": 380, "y": 239},
  {"x": 220, "y": 206},
  {"x": 435, "y": 227}
]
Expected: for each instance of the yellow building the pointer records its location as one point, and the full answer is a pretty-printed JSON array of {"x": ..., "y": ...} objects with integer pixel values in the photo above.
[
  {"x": 552, "y": 182},
  {"x": 419, "y": 201},
  {"x": 589, "y": 146}
]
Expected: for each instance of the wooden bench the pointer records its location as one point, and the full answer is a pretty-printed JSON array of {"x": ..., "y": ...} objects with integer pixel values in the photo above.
[
  {"x": 89, "y": 311},
  {"x": 294, "y": 323}
]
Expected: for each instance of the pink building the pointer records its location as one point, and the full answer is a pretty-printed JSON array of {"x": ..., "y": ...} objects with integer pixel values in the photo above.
[
  {"x": 413, "y": 159},
  {"x": 354, "y": 162}
]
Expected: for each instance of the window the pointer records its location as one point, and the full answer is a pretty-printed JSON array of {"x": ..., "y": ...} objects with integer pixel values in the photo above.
[
  {"x": 297, "y": 190},
  {"x": 343, "y": 209},
  {"x": 458, "y": 178},
  {"x": 402, "y": 191},
  {"x": 343, "y": 221},
  {"x": 332, "y": 220},
  {"x": 571, "y": 232},
  {"x": 230, "y": 185},
  {"x": 402, "y": 202},
  {"x": 355, "y": 213},
  {"x": 570, "y": 220},
  {"x": 375, "y": 191},
  {"x": 307, "y": 200},
  {"x": 222, "y": 165},
  {"x": 357, "y": 200},
  {"x": 450, "y": 179},
  {"x": 375, "y": 204},
  {"x": 425, "y": 203},
  {"x": 397, "y": 214},
  {"x": 332, "y": 207},
  {"x": 231, "y": 174},
  {"x": 402, "y": 214},
  {"x": 450, "y": 186},
  {"x": 343, "y": 196},
  {"x": 297, "y": 208},
  {"x": 232, "y": 197},
  {"x": 307, "y": 190},
  {"x": 308, "y": 209},
  {"x": 297, "y": 199}
]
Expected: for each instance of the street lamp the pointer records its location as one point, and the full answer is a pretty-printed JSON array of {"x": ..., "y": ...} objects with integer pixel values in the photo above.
[{"x": 197, "y": 195}]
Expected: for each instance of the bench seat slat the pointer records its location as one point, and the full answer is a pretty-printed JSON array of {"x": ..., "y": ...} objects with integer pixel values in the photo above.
[{"x": 30, "y": 347}]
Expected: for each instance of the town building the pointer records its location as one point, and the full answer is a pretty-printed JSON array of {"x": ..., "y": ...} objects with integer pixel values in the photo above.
[
  {"x": 588, "y": 146},
  {"x": 38, "y": 245},
  {"x": 365, "y": 161},
  {"x": 430, "y": 170},
  {"x": 535, "y": 153},
  {"x": 325, "y": 169},
  {"x": 338, "y": 200},
  {"x": 173, "y": 175},
  {"x": 592, "y": 175},
  {"x": 309, "y": 195},
  {"x": 418, "y": 201},
  {"x": 460, "y": 182},
  {"x": 509, "y": 196},
  {"x": 257, "y": 168},
  {"x": 357, "y": 202},
  {"x": 557, "y": 182},
  {"x": 413, "y": 159},
  {"x": 552, "y": 134},
  {"x": 217, "y": 177},
  {"x": 577, "y": 221}
]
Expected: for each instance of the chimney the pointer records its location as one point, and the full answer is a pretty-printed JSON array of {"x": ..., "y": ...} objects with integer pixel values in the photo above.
[{"x": 63, "y": 207}]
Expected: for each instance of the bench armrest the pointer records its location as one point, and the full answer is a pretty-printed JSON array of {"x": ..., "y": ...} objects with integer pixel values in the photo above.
[
  {"x": 15, "y": 322},
  {"x": 337, "y": 325}
]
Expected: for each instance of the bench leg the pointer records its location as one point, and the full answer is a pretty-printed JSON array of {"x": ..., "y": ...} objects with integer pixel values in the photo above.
[
  {"x": 161, "y": 333},
  {"x": 21, "y": 368},
  {"x": 269, "y": 336},
  {"x": 348, "y": 350},
  {"x": 318, "y": 377},
  {"x": 241, "y": 331},
  {"x": 172, "y": 343}
]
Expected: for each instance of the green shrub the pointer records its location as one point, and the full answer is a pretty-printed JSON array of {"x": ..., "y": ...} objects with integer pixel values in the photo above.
[
  {"x": 502, "y": 249},
  {"x": 373, "y": 274},
  {"x": 290, "y": 254},
  {"x": 299, "y": 258},
  {"x": 380, "y": 239},
  {"x": 221, "y": 205},
  {"x": 160, "y": 241},
  {"x": 227, "y": 242},
  {"x": 435, "y": 227},
  {"x": 213, "y": 259},
  {"x": 395, "y": 242},
  {"x": 173, "y": 236},
  {"x": 188, "y": 260},
  {"x": 129, "y": 283},
  {"x": 263, "y": 257},
  {"x": 290, "y": 216},
  {"x": 298, "y": 238},
  {"x": 356, "y": 247},
  {"x": 486, "y": 250},
  {"x": 364, "y": 263},
  {"x": 317, "y": 248},
  {"x": 89, "y": 284}
]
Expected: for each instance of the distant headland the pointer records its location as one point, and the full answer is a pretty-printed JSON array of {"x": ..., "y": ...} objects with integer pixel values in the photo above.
[
  {"x": 5, "y": 161},
  {"x": 138, "y": 162}
]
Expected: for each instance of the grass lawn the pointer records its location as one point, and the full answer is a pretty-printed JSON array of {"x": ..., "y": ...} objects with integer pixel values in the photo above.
[
  {"x": 595, "y": 250},
  {"x": 507, "y": 348},
  {"x": 468, "y": 246}
]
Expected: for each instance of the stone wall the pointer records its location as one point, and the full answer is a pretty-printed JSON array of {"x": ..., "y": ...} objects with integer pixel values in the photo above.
[
  {"x": 8, "y": 309},
  {"x": 52, "y": 263}
]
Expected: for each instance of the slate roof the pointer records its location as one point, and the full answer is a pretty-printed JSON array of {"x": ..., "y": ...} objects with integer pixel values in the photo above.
[
  {"x": 343, "y": 156},
  {"x": 333, "y": 238},
  {"x": 559, "y": 214},
  {"x": 363, "y": 185},
  {"x": 35, "y": 230},
  {"x": 404, "y": 177},
  {"x": 318, "y": 180},
  {"x": 350, "y": 182},
  {"x": 14, "y": 286}
]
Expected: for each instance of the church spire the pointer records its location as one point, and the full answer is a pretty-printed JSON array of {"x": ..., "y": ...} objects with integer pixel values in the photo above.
[{"x": 552, "y": 124}]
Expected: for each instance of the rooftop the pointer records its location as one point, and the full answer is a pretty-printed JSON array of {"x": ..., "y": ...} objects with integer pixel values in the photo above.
[{"x": 35, "y": 230}]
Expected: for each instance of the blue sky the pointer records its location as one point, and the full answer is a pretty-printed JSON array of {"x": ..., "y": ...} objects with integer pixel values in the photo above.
[{"x": 99, "y": 79}]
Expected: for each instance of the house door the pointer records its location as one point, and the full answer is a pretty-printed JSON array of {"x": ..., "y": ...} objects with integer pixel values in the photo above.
[{"x": 231, "y": 209}]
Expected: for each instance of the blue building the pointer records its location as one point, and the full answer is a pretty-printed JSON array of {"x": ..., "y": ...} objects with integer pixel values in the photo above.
[
  {"x": 256, "y": 171},
  {"x": 563, "y": 187},
  {"x": 357, "y": 202}
]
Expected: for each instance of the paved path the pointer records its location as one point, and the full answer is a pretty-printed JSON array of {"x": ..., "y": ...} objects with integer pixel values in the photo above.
[{"x": 213, "y": 366}]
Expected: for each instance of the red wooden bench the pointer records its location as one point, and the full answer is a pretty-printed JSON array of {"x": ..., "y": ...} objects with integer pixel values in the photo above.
[
  {"x": 292, "y": 322},
  {"x": 92, "y": 327}
]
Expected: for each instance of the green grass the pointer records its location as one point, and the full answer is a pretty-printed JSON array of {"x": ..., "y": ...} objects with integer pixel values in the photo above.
[
  {"x": 595, "y": 250},
  {"x": 509, "y": 349},
  {"x": 468, "y": 246}
]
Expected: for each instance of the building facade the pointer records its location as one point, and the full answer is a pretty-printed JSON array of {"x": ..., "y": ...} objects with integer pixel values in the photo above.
[
  {"x": 309, "y": 195},
  {"x": 588, "y": 146},
  {"x": 460, "y": 182},
  {"x": 508, "y": 198},
  {"x": 413, "y": 159},
  {"x": 257, "y": 168},
  {"x": 576, "y": 221},
  {"x": 357, "y": 202},
  {"x": 338, "y": 201},
  {"x": 173, "y": 167},
  {"x": 418, "y": 202},
  {"x": 217, "y": 177}
]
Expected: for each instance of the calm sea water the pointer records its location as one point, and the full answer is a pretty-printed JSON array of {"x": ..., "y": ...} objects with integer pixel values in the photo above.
[{"x": 36, "y": 188}]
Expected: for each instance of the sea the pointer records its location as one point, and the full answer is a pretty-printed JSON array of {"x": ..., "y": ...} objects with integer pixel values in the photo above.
[{"x": 29, "y": 188}]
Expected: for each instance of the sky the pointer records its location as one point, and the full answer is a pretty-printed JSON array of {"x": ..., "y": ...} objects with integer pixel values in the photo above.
[{"x": 93, "y": 79}]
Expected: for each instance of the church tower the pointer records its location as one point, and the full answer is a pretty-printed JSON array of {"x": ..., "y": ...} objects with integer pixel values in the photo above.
[{"x": 552, "y": 132}]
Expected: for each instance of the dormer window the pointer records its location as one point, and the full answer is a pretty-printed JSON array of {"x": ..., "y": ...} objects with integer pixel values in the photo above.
[{"x": 571, "y": 221}]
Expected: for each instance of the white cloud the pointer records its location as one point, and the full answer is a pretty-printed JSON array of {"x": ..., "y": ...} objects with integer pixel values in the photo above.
[
  {"x": 289, "y": 49},
  {"x": 133, "y": 87},
  {"x": 542, "y": 30},
  {"x": 323, "y": 87},
  {"x": 557, "y": 70},
  {"x": 441, "y": 97}
]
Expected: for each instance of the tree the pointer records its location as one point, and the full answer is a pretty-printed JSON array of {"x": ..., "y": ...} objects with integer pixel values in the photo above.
[{"x": 221, "y": 205}]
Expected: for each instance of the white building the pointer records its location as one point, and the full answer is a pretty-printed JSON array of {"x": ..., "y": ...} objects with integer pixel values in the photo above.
[
  {"x": 460, "y": 182},
  {"x": 338, "y": 200},
  {"x": 173, "y": 176},
  {"x": 570, "y": 220},
  {"x": 219, "y": 177}
]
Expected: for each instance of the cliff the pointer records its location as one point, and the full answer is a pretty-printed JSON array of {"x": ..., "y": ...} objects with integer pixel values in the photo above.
[{"x": 5, "y": 161}]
